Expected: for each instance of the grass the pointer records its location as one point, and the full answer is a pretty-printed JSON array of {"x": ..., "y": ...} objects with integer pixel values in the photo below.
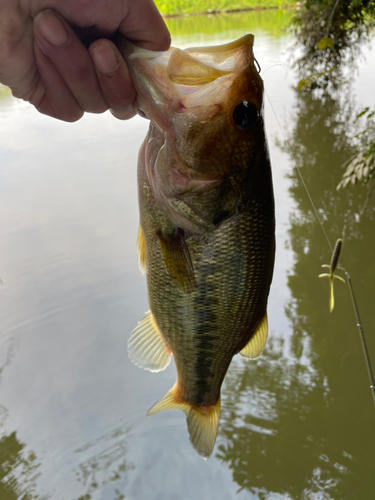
[
  {"x": 273, "y": 22},
  {"x": 170, "y": 7},
  {"x": 4, "y": 92}
]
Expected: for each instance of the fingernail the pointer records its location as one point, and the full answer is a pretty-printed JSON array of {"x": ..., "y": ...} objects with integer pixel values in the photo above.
[
  {"x": 51, "y": 28},
  {"x": 105, "y": 59}
]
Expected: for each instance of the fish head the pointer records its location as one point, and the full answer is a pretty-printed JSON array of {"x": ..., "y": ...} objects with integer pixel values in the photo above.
[{"x": 205, "y": 106}]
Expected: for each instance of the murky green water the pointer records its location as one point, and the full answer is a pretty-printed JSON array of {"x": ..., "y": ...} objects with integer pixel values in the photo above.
[{"x": 296, "y": 424}]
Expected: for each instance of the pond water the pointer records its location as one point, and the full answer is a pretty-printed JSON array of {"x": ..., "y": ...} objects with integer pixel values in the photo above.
[{"x": 296, "y": 424}]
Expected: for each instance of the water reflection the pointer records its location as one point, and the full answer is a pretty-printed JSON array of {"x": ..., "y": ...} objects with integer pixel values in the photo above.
[
  {"x": 18, "y": 470},
  {"x": 304, "y": 410},
  {"x": 105, "y": 464},
  {"x": 327, "y": 121},
  {"x": 321, "y": 141},
  {"x": 269, "y": 436},
  {"x": 330, "y": 36},
  {"x": 19, "y": 467}
]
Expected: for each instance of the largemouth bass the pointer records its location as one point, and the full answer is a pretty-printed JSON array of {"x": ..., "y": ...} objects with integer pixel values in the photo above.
[{"x": 206, "y": 239}]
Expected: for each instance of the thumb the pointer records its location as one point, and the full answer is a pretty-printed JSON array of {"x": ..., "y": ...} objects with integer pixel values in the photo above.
[{"x": 145, "y": 27}]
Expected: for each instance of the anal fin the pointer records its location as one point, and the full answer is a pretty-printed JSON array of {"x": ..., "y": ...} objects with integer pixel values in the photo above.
[
  {"x": 202, "y": 421},
  {"x": 257, "y": 343},
  {"x": 146, "y": 346}
]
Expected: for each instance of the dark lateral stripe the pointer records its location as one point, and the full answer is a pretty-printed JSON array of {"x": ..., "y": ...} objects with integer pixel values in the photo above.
[{"x": 206, "y": 321}]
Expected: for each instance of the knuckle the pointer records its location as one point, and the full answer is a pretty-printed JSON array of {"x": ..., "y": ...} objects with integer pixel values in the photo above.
[
  {"x": 72, "y": 116},
  {"x": 96, "y": 108},
  {"x": 123, "y": 113},
  {"x": 167, "y": 39}
]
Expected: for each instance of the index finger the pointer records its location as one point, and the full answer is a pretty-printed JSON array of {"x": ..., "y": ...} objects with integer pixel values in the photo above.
[{"x": 145, "y": 27}]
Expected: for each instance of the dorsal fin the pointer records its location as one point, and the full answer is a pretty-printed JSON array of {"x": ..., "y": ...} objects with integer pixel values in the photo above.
[
  {"x": 146, "y": 346},
  {"x": 257, "y": 343}
]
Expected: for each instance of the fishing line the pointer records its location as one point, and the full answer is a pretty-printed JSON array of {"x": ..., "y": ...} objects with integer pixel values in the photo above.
[
  {"x": 335, "y": 257},
  {"x": 300, "y": 175}
]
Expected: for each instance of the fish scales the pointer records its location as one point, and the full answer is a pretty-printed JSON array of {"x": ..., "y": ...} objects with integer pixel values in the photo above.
[
  {"x": 205, "y": 328},
  {"x": 206, "y": 238}
]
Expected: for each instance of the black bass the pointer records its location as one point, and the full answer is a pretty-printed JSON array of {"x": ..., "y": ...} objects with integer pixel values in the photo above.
[{"x": 207, "y": 229}]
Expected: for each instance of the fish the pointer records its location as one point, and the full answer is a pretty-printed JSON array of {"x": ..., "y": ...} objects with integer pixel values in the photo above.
[{"x": 206, "y": 238}]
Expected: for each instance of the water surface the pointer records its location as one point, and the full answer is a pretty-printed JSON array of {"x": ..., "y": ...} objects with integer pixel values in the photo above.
[{"x": 296, "y": 424}]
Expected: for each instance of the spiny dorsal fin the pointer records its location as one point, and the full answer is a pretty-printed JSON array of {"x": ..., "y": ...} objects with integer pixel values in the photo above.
[
  {"x": 146, "y": 346},
  {"x": 141, "y": 250},
  {"x": 177, "y": 260},
  {"x": 257, "y": 343},
  {"x": 202, "y": 421}
]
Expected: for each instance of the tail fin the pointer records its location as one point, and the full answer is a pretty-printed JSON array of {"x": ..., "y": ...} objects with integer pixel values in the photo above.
[{"x": 202, "y": 421}]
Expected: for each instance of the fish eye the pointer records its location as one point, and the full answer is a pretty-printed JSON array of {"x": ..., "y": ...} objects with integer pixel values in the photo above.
[{"x": 245, "y": 115}]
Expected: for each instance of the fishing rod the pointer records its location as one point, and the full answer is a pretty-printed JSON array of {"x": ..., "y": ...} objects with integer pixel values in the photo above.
[
  {"x": 335, "y": 259},
  {"x": 332, "y": 266},
  {"x": 362, "y": 336}
]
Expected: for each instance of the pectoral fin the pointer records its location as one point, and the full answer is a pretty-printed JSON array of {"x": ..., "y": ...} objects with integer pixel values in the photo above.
[
  {"x": 202, "y": 421},
  {"x": 141, "y": 250},
  {"x": 257, "y": 343},
  {"x": 146, "y": 346},
  {"x": 177, "y": 260}
]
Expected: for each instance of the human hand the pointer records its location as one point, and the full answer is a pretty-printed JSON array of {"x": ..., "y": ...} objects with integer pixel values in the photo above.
[{"x": 44, "y": 61}]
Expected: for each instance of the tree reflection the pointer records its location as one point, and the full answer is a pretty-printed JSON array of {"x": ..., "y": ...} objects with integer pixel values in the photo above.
[
  {"x": 320, "y": 143},
  {"x": 269, "y": 434},
  {"x": 106, "y": 463},
  {"x": 299, "y": 421},
  {"x": 18, "y": 468},
  {"x": 330, "y": 35}
]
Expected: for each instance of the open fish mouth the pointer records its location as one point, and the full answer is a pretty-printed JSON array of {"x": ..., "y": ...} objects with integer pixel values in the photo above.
[{"x": 186, "y": 79}]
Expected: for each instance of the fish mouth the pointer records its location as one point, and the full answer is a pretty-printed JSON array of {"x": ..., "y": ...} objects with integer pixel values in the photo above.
[{"x": 184, "y": 79}]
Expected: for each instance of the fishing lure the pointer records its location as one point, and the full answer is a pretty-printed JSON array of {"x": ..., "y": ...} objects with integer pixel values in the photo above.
[{"x": 331, "y": 275}]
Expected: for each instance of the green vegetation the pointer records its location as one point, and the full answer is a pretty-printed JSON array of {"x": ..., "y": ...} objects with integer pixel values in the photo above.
[
  {"x": 171, "y": 7},
  {"x": 361, "y": 166},
  {"x": 4, "y": 92},
  {"x": 273, "y": 22},
  {"x": 331, "y": 34}
]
